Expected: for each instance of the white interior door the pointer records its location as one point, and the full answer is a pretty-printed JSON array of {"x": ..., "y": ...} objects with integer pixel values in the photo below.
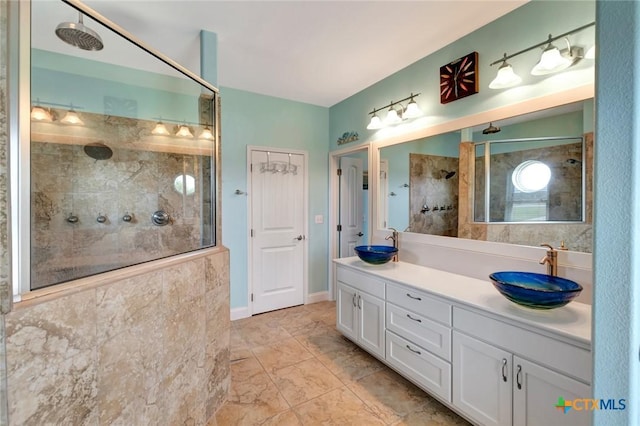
[
  {"x": 278, "y": 242},
  {"x": 351, "y": 215}
]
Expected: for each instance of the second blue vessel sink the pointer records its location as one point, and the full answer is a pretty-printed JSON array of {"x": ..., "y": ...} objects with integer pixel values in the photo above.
[
  {"x": 376, "y": 255},
  {"x": 538, "y": 291}
]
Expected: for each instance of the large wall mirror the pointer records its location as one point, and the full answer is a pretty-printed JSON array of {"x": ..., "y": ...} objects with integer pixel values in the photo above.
[{"x": 518, "y": 180}]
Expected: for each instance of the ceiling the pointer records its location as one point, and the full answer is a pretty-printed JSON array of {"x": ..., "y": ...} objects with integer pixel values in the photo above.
[{"x": 317, "y": 52}]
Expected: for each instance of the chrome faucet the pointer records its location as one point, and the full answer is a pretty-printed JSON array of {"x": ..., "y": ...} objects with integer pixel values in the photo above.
[
  {"x": 394, "y": 237},
  {"x": 550, "y": 259}
]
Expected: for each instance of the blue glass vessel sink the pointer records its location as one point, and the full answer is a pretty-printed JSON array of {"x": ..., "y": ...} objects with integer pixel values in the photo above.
[
  {"x": 376, "y": 255},
  {"x": 538, "y": 291}
]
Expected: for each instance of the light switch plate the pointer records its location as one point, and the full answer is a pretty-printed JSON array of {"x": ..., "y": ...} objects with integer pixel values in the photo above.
[{"x": 319, "y": 218}]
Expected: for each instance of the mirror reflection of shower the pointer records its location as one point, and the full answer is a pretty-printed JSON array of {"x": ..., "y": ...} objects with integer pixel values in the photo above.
[{"x": 78, "y": 35}]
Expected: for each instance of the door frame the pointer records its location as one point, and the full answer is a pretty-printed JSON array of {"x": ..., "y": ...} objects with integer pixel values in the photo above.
[
  {"x": 305, "y": 204},
  {"x": 334, "y": 205}
]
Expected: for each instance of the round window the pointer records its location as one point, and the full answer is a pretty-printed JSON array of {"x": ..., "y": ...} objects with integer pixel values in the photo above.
[
  {"x": 185, "y": 184},
  {"x": 531, "y": 176}
]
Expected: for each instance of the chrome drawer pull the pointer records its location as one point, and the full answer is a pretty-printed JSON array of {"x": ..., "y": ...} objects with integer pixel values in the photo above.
[
  {"x": 413, "y": 297},
  {"x": 413, "y": 350},
  {"x": 504, "y": 369},
  {"x": 414, "y": 319},
  {"x": 519, "y": 377}
]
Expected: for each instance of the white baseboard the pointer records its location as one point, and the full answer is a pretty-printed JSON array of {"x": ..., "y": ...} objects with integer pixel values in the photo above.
[
  {"x": 239, "y": 313},
  {"x": 320, "y": 296}
]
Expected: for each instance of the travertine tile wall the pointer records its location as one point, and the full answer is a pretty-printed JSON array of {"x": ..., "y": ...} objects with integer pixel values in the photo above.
[
  {"x": 65, "y": 181},
  {"x": 428, "y": 186},
  {"x": 577, "y": 236},
  {"x": 153, "y": 349}
]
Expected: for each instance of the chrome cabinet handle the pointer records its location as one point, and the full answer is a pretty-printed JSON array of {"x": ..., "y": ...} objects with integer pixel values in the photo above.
[
  {"x": 413, "y": 297},
  {"x": 359, "y": 300},
  {"x": 413, "y": 350},
  {"x": 414, "y": 319},
  {"x": 504, "y": 369},
  {"x": 359, "y": 234},
  {"x": 354, "y": 300},
  {"x": 519, "y": 377},
  {"x": 299, "y": 238}
]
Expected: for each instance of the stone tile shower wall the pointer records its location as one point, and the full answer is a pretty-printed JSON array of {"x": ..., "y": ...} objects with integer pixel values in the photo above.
[
  {"x": 428, "y": 186},
  {"x": 66, "y": 181},
  {"x": 148, "y": 350},
  {"x": 577, "y": 236}
]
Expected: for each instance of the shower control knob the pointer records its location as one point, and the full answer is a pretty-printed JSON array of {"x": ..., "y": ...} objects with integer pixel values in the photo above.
[
  {"x": 127, "y": 217},
  {"x": 160, "y": 218},
  {"x": 72, "y": 218},
  {"x": 101, "y": 218}
]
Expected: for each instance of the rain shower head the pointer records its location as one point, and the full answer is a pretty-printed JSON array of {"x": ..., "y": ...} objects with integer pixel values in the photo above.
[
  {"x": 98, "y": 151},
  {"x": 78, "y": 35},
  {"x": 491, "y": 129},
  {"x": 447, "y": 174}
]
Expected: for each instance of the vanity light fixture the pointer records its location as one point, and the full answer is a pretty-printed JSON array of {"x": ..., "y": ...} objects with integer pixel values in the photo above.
[
  {"x": 72, "y": 118},
  {"x": 395, "y": 115},
  {"x": 206, "y": 134},
  {"x": 552, "y": 60},
  {"x": 40, "y": 114},
  {"x": 506, "y": 76},
  {"x": 184, "y": 132},
  {"x": 160, "y": 129}
]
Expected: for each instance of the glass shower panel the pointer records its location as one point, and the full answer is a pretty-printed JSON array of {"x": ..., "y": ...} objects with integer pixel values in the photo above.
[{"x": 123, "y": 150}]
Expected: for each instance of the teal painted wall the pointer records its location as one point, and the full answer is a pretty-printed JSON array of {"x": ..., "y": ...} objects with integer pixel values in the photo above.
[
  {"x": 525, "y": 26},
  {"x": 67, "y": 80},
  {"x": 252, "y": 119},
  {"x": 616, "y": 308}
]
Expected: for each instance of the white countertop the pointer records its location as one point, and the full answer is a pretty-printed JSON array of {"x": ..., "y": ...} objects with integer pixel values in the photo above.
[{"x": 571, "y": 321}]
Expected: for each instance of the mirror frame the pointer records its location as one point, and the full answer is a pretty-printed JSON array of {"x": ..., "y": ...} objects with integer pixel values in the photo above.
[{"x": 580, "y": 93}]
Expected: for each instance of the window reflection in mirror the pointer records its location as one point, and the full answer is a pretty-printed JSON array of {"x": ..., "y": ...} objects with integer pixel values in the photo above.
[{"x": 522, "y": 217}]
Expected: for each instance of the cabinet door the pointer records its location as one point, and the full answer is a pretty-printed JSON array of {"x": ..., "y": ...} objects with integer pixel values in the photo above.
[
  {"x": 481, "y": 380},
  {"x": 371, "y": 327},
  {"x": 346, "y": 311},
  {"x": 535, "y": 396}
]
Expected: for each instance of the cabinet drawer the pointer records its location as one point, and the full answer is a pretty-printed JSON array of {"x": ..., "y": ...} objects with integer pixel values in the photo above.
[
  {"x": 432, "y": 336},
  {"x": 555, "y": 354},
  {"x": 420, "y": 303},
  {"x": 360, "y": 281},
  {"x": 424, "y": 369}
]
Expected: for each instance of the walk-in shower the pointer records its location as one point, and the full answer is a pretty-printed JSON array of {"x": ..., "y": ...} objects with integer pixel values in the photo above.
[{"x": 100, "y": 182}]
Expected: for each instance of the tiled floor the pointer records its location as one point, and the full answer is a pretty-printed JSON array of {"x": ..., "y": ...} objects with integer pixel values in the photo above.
[{"x": 291, "y": 367}]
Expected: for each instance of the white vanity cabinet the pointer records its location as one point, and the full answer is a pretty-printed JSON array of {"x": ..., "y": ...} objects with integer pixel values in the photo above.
[
  {"x": 419, "y": 338},
  {"x": 491, "y": 361},
  {"x": 360, "y": 310},
  {"x": 494, "y": 384}
]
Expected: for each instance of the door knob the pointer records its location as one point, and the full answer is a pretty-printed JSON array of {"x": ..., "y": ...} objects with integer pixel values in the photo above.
[
  {"x": 359, "y": 234},
  {"x": 299, "y": 238}
]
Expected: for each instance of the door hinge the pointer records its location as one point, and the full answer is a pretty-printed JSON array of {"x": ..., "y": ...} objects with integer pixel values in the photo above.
[
  {"x": 252, "y": 297},
  {"x": 252, "y": 233},
  {"x": 339, "y": 172},
  {"x": 251, "y": 167},
  {"x": 339, "y": 228}
]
